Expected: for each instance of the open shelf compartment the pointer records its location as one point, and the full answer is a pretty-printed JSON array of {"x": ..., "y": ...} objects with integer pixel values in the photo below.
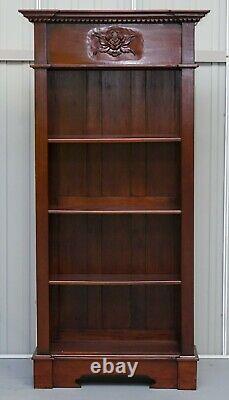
[
  {"x": 119, "y": 245},
  {"x": 114, "y": 177},
  {"x": 114, "y": 319},
  {"x": 111, "y": 103}
]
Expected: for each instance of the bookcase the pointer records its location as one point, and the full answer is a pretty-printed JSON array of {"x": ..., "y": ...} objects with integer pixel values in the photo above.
[{"x": 114, "y": 196}]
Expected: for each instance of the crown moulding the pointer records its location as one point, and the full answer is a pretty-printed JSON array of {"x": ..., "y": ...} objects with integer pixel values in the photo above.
[{"x": 109, "y": 17}]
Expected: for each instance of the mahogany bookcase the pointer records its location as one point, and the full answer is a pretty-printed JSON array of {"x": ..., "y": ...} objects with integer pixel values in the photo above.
[{"x": 114, "y": 195}]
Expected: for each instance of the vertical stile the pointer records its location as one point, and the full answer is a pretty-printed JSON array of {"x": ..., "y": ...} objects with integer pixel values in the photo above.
[
  {"x": 187, "y": 192},
  {"x": 41, "y": 149}
]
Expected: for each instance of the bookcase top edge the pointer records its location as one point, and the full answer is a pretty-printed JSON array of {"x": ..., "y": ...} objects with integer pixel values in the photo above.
[{"x": 114, "y": 16}]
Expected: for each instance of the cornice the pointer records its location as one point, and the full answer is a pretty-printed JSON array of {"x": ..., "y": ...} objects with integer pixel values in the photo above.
[{"x": 114, "y": 17}]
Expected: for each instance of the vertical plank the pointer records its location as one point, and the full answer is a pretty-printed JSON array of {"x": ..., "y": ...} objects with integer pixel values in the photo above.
[
  {"x": 94, "y": 255},
  {"x": 94, "y": 170},
  {"x": 72, "y": 309},
  {"x": 162, "y": 244},
  {"x": 162, "y": 102},
  {"x": 216, "y": 147},
  {"x": 116, "y": 302},
  {"x": 94, "y": 307},
  {"x": 73, "y": 170},
  {"x": 116, "y": 108},
  {"x": 138, "y": 244},
  {"x": 209, "y": 178},
  {"x": 115, "y": 170},
  {"x": 67, "y": 111},
  {"x": 226, "y": 215},
  {"x": 73, "y": 243},
  {"x": 138, "y": 307},
  {"x": 93, "y": 102},
  {"x": 164, "y": 318},
  {"x": 16, "y": 210},
  {"x": 3, "y": 209},
  {"x": 163, "y": 170},
  {"x": 116, "y": 244},
  {"x": 138, "y": 172},
  {"x": 15, "y": 32},
  {"x": 138, "y": 103}
]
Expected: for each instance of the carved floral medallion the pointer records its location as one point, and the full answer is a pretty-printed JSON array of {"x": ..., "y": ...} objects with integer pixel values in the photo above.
[{"x": 114, "y": 41}]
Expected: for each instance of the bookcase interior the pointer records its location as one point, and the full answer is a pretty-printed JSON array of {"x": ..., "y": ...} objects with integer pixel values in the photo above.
[{"x": 114, "y": 220}]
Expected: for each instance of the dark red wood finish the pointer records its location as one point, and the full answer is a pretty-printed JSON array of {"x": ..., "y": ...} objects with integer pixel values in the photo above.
[
  {"x": 114, "y": 183},
  {"x": 187, "y": 197},
  {"x": 64, "y": 45},
  {"x": 41, "y": 155}
]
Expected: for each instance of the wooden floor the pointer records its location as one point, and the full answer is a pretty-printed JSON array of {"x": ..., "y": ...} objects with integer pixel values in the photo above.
[{"x": 16, "y": 384}]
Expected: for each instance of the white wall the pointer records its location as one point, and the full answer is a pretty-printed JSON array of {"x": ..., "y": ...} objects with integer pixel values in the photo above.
[{"x": 17, "y": 226}]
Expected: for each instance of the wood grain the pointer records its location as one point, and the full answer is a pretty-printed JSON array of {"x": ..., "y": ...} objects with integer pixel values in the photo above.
[
  {"x": 42, "y": 212},
  {"x": 66, "y": 44},
  {"x": 117, "y": 244}
]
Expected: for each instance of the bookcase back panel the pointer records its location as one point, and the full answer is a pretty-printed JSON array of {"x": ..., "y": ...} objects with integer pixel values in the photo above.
[
  {"x": 109, "y": 172},
  {"x": 113, "y": 103},
  {"x": 118, "y": 311},
  {"x": 114, "y": 244}
]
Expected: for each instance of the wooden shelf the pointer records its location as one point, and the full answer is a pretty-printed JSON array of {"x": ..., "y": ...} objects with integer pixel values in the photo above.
[
  {"x": 115, "y": 205},
  {"x": 112, "y": 139},
  {"x": 114, "y": 279},
  {"x": 73, "y": 211},
  {"x": 149, "y": 347},
  {"x": 114, "y": 66}
]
